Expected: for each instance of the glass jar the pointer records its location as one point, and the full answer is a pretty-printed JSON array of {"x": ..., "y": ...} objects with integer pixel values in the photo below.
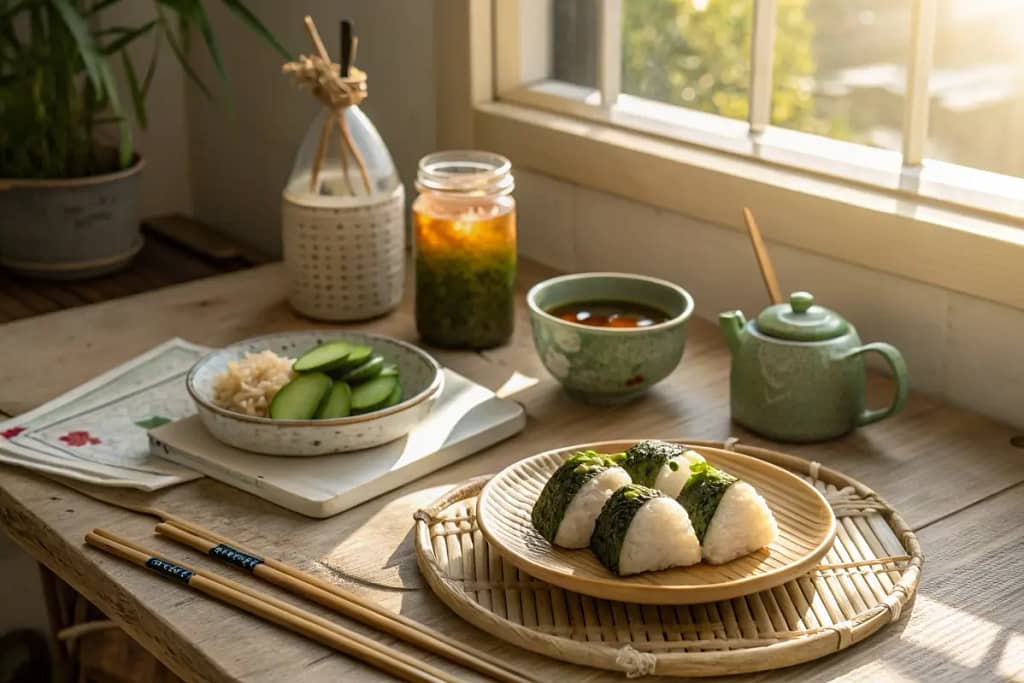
[{"x": 465, "y": 235}]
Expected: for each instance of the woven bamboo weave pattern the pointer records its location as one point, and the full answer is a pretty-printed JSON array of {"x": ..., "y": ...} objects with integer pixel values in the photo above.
[{"x": 862, "y": 583}]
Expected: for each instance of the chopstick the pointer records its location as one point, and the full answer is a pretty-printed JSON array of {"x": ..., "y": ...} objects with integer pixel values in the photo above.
[
  {"x": 338, "y": 599},
  {"x": 276, "y": 611},
  {"x": 459, "y": 652},
  {"x": 771, "y": 282}
]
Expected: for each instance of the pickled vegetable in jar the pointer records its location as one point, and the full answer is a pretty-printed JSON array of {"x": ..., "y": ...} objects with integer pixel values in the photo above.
[{"x": 465, "y": 233}]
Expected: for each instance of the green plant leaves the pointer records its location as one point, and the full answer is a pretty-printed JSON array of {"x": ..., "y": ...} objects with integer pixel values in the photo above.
[
  {"x": 51, "y": 118},
  {"x": 178, "y": 45},
  {"x": 125, "y": 149},
  {"x": 138, "y": 95},
  {"x": 86, "y": 45},
  {"x": 125, "y": 36}
]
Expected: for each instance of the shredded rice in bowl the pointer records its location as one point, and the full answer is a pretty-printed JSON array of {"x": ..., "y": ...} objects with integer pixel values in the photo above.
[{"x": 248, "y": 385}]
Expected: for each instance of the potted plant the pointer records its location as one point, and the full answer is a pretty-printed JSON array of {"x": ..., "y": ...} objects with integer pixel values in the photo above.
[{"x": 69, "y": 171}]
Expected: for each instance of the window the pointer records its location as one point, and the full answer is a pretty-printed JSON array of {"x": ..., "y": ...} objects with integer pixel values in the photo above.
[
  {"x": 694, "y": 54},
  {"x": 916, "y": 97},
  {"x": 840, "y": 69},
  {"x": 976, "y": 89}
]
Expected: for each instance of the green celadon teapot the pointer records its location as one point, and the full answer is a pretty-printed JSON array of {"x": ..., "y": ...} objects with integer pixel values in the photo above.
[{"x": 798, "y": 372}]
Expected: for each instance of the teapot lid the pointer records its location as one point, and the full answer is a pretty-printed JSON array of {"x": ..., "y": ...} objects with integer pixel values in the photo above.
[{"x": 801, "y": 320}]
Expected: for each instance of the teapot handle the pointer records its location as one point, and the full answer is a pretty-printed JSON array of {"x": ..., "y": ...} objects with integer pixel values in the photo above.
[{"x": 899, "y": 370}]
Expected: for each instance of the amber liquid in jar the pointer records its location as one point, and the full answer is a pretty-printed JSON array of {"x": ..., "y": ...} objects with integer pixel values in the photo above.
[
  {"x": 465, "y": 228},
  {"x": 465, "y": 270}
]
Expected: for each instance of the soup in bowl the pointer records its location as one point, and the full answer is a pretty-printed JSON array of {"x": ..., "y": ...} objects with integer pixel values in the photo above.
[{"x": 608, "y": 337}]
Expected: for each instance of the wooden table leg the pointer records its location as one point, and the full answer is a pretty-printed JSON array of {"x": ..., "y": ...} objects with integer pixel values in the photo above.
[{"x": 55, "y": 615}]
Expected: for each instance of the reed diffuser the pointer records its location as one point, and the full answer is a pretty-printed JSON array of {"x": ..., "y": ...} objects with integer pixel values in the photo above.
[{"x": 343, "y": 226}]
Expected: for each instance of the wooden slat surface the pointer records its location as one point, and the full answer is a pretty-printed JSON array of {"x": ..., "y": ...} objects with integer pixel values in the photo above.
[
  {"x": 936, "y": 464},
  {"x": 161, "y": 262}
]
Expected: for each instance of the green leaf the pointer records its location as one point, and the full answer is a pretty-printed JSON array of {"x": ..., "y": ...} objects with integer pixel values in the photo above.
[
  {"x": 211, "y": 42},
  {"x": 147, "y": 80},
  {"x": 127, "y": 36},
  {"x": 100, "y": 6},
  {"x": 257, "y": 26},
  {"x": 191, "y": 13},
  {"x": 179, "y": 53},
  {"x": 83, "y": 39},
  {"x": 125, "y": 148},
  {"x": 153, "y": 422},
  {"x": 18, "y": 7},
  {"x": 138, "y": 96}
]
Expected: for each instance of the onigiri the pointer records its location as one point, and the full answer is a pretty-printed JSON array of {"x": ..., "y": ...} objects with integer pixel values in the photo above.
[
  {"x": 641, "y": 530},
  {"x": 729, "y": 516},
  {"x": 573, "y": 497},
  {"x": 660, "y": 465}
]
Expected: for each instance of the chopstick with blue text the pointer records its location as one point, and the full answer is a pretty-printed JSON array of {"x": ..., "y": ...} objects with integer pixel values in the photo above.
[
  {"x": 340, "y": 600},
  {"x": 356, "y": 645}
]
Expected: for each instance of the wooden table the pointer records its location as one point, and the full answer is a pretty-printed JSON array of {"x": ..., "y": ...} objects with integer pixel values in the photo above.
[{"x": 953, "y": 475}]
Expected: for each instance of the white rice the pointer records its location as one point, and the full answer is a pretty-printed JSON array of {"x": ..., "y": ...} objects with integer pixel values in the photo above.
[
  {"x": 742, "y": 524},
  {"x": 659, "y": 537},
  {"x": 671, "y": 482},
  {"x": 249, "y": 385},
  {"x": 581, "y": 513}
]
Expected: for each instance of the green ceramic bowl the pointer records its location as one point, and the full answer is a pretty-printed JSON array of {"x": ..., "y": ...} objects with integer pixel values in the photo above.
[{"x": 604, "y": 365}]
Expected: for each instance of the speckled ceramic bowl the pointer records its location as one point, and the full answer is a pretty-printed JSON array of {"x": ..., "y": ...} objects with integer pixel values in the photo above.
[
  {"x": 605, "y": 365},
  {"x": 421, "y": 376}
]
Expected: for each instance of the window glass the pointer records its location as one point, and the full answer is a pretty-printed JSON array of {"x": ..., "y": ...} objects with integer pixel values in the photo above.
[
  {"x": 840, "y": 68},
  {"x": 574, "y": 51},
  {"x": 691, "y": 53},
  {"x": 976, "y": 115}
]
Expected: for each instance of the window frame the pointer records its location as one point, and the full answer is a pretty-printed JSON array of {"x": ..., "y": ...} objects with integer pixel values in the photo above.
[{"x": 933, "y": 222}]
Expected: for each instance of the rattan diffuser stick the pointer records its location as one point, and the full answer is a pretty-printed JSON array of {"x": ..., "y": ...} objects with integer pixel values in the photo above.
[{"x": 337, "y": 88}]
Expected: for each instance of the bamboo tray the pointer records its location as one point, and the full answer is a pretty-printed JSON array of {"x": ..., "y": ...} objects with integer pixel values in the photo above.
[
  {"x": 807, "y": 529},
  {"x": 861, "y": 584}
]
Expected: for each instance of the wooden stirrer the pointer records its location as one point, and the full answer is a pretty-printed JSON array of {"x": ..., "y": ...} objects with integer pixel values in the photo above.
[{"x": 771, "y": 282}]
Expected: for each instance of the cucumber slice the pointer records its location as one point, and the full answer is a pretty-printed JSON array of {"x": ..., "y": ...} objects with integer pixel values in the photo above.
[
  {"x": 372, "y": 395},
  {"x": 300, "y": 398},
  {"x": 357, "y": 356},
  {"x": 389, "y": 370},
  {"x": 394, "y": 397},
  {"x": 324, "y": 358},
  {"x": 366, "y": 371},
  {"x": 338, "y": 402}
]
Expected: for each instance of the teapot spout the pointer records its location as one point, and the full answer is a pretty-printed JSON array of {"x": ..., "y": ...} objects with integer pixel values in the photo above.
[{"x": 732, "y": 323}]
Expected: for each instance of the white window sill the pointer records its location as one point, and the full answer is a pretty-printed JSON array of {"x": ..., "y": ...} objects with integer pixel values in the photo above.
[{"x": 978, "y": 253}]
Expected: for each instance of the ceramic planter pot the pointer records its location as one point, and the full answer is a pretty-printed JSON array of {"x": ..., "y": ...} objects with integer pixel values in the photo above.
[
  {"x": 606, "y": 365},
  {"x": 70, "y": 228},
  {"x": 798, "y": 372}
]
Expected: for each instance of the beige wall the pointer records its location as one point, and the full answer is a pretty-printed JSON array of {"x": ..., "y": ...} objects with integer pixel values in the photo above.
[{"x": 241, "y": 155}]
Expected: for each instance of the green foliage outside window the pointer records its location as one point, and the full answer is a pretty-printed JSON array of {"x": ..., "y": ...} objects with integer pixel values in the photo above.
[{"x": 696, "y": 54}]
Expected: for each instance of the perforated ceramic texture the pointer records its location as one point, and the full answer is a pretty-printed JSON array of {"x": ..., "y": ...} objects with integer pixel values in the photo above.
[
  {"x": 422, "y": 380},
  {"x": 344, "y": 263},
  {"x": 864, "y": 582}
]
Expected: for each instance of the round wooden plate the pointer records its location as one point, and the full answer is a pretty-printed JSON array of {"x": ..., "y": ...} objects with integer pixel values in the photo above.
[{"x": 807, "y": 528}]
